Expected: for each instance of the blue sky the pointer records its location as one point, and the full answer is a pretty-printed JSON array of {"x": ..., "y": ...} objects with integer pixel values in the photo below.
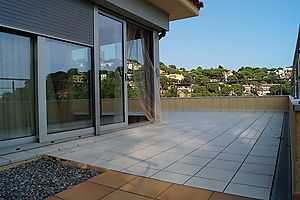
[{"x": 234, "y": 33}]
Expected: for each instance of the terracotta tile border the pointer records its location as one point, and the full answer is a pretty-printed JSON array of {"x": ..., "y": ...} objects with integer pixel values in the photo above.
[
  {"x": 212, "y": 196},
  {"x": 161, "y": 194}
]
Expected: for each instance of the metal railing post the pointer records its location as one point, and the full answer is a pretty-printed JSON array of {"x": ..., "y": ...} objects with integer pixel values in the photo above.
[{"x": 280, "y": 87}]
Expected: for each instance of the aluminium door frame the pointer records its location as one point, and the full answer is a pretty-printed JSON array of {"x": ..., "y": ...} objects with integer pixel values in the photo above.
[
  {"x": 42, "y": 133},
  {"x": 101, "y": 129}
]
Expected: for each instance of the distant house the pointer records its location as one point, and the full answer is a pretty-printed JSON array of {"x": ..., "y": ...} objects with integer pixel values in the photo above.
[
  {"x": 248, "y": 89},
  {"x": 264, "y": 89},
  {"x": 178, "y": 77},
  {"x": 288, "y": 71},
  {"x": 227, "y": 73}
]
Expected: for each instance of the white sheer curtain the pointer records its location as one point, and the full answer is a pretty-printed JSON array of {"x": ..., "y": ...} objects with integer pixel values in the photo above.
[
  {"x": 144, "y": 74},
  {"x": 16, "y": 90}
]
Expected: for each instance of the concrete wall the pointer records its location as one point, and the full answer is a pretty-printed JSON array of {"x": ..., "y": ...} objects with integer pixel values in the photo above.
[
  {"x": 295, "y": 144},
  {"x": 226, "y": 103},
  {"x": 143, "y": 12}
]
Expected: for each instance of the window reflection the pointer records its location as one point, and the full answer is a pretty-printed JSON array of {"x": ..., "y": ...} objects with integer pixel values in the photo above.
[
  {"x": 16, "y": 87},
  {"x": 67, "y": 86},
  {"x": 111, "y": 70}
]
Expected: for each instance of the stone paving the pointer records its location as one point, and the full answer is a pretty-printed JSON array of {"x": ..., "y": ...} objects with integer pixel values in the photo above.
[
  {"x": 114, "y": 185},
  {"x": 228, "y": 152}
]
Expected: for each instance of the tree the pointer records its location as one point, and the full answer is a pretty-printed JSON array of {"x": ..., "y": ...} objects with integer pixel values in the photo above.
[
  {"x": 171, "y": 92},
  {"x": 213, "y": 87},
  {"x": 246, "y": 74},
  {"x": 237, "y": 89},
  {"x": 131, "y": 92},
  {"x": 260, "y": 75},
  {"x": 232, "y": 78},
  {"x": 172, "y": 66},
  {"x": 199, "y": 91},
  {"x": 275, "y": 89},
  {"x": 201, "y": 78},
  {"x": 225, "y": 91}
]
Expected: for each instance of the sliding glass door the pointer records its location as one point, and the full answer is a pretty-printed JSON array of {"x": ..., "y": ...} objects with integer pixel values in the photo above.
[
  {"x": 65, "y": 90},
  {"x": 112, "y": 72},
  {"x": 17, "y": 114}
]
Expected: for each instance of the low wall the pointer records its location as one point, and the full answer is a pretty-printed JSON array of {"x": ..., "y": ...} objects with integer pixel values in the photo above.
[
  {"x": 294, "y": 114},
  {"x": 226, "y": 103}
]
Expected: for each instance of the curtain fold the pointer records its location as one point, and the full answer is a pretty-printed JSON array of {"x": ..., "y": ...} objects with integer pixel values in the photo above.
[{"x": 143, "y": 72}]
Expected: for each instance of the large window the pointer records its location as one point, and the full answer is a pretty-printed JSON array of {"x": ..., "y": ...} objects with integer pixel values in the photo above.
[
  {"x": 68, "y": 93},
  {"x": 111, "y": 70},
  {"x": 16, "y": 87}
]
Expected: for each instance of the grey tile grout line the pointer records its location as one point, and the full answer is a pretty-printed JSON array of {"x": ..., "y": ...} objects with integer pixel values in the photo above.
[
  {"x": 149, "y": 146},
  {"x": 154, "y": 142},
  {"x": 198, "y": 149},
  {"x": 213, "y": 126},
  {"x": 175, "y": 146},
  {"x": 224, "y": 149},
  {"x": 167, "y": 148},
  {"x": 248, "y": 153}
]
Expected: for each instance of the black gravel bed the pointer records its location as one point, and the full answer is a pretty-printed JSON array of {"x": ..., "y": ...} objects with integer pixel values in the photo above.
[{"x": 41, "y": 179}]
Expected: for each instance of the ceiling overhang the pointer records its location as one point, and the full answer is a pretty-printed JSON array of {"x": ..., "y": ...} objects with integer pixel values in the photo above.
[{"x": 179, "y": 9}]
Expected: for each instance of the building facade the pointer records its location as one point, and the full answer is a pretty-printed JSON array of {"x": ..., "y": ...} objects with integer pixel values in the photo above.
[{"x": 64, "y": 65}]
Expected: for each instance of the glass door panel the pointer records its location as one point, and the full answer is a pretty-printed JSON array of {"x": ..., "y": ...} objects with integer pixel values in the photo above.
[
  {"x": 68, "y": 94},
  {"x": 16, "y": 87},
  {"x": 111, "y": 50}
]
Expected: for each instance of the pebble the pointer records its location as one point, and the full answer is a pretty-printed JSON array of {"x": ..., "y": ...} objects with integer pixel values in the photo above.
[{"x": 40, "y": 179}]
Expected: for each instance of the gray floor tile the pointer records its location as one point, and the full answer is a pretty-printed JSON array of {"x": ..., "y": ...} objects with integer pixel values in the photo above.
[
  {"x": 171, "y": 177},
  {"x": 41, "y": 151},
  {"x": 140, "y": 171},
  {"x": 4, "y": 161},
  {"x": 224, "y": 164},
  {"x": 216, "y": 174},
  {"x": 19, "y": 156},
  {"x": 261, "y": 160},
  {"x": 180, "y": 150},
  {"x": 248, "y": 191},
  {"x": 204, "y": 153},
  {"x": 212, "y": 148},
  {"x": 166, "y": 156},
  {"x": 253, "y": 179},
  {"x": 114, "y": 165},
  {"x": 154, "y": 164},
  {"x": 263, "y": 153},
  {"x": 182, "y": 168},
  {"x": 231, "y": 157},
  {"x": 106, "y": 155},
  {"x": 258, "y": 169},
  {"x": 192, "y": 160},
  {"x": 208, "y": 184}
]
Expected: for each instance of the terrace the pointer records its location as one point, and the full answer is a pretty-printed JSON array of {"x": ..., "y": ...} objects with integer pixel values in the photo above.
[{"x": 229, "y": 145}]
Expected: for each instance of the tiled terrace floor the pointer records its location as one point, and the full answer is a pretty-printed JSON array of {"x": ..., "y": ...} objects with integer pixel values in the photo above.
[
  {"x": 113, "y": 185},
  {"x": 230, "y": 152}
]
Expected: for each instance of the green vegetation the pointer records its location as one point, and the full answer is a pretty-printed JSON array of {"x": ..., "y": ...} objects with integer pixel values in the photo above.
[{"x": 206, "y": 82}]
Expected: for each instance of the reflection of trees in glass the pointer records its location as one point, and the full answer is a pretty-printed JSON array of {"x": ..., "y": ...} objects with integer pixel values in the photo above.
[
  {"x": 72, "y": 84},
  {"x": 19, "y": 94},
  {"x": 131, "y": 92},
  {"x": 111, "y": 83}
]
